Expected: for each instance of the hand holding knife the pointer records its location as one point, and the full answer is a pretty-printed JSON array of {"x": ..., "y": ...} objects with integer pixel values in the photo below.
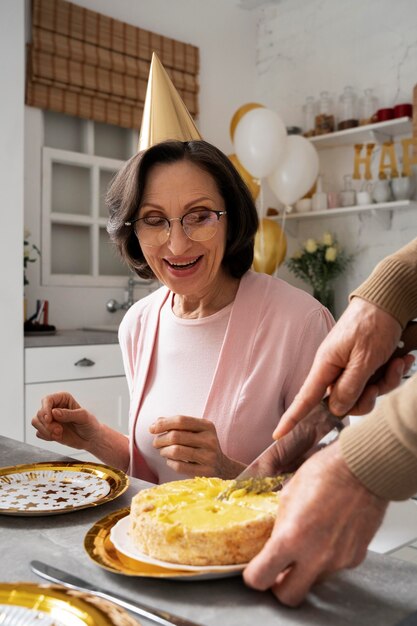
[{"x": 313, "y": 431}]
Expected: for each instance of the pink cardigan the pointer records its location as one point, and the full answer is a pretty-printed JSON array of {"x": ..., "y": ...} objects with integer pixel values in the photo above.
[{"x": 271, "y": 339}]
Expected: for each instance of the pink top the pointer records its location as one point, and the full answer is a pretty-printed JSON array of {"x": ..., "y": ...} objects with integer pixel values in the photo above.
[
  {"x": 183, "y": 363},
  {"x": 271, "y": 339}
]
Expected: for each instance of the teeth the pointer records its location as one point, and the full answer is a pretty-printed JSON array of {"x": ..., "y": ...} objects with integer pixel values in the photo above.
[{"x": 183, "y": 264}]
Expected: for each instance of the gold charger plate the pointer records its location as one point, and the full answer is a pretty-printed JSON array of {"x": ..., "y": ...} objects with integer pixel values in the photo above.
[
  {"x": 101, "y": 550},
  {"x": 51, "y": 488},
  {"x": 29, "y": 604}
]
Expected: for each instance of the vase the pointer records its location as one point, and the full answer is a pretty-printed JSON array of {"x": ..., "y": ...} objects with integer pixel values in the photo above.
[{"x": 325, "y": 295}]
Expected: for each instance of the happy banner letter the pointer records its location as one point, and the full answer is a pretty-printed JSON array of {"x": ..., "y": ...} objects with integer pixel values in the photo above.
[
  {"x": 366, "y": 160},
  {"x": 408, "y": 158},
  {"x": 388, "y": 154}
]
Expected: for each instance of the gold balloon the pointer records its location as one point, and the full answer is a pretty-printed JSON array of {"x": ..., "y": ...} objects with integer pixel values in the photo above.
[
  {"x": 237, "y": 116},
  {"x": 251, "y": 182},
  {"x": 270, "y": 247}
]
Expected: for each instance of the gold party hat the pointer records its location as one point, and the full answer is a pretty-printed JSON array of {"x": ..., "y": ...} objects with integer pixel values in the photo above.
[{"x": 165, "y": 115}]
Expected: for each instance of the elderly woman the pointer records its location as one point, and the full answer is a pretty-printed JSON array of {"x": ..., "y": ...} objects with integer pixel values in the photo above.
[{"x": 217, "y": 354}]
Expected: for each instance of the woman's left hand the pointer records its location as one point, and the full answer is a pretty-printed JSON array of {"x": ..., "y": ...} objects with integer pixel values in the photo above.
[{"x": 190, "y": 446}]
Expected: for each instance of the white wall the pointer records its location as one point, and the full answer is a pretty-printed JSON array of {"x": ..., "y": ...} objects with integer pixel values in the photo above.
[
  {"x": 307, "y": 47},
  {"x": 226, "y": 37},
  {"x": 11, "y": 248}
]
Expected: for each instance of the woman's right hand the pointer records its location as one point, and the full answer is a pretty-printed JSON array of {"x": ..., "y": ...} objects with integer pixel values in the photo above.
[{"x": 63, "y": 420}]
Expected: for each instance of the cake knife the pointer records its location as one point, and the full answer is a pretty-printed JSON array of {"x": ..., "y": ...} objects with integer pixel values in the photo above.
[{"x": 55, "y": 575}]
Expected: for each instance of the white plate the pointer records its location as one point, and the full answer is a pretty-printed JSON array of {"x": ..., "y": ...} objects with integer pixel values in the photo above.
[
  {"x": 20, "y": 616},
  {"x": 120, "y": 538},
  {"x": 52, "y": 488}
]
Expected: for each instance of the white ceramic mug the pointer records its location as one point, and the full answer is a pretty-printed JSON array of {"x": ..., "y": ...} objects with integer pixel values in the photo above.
[{"x": 363, "y": 197}]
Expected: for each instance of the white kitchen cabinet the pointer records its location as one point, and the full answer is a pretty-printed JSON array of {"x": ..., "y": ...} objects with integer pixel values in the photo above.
[
  {"x": 79, "y": 160},
  {"x": 93, "y": 374}
]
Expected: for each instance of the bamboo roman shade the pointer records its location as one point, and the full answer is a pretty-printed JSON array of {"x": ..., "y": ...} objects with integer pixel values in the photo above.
[{"x": 86, "y": 64}]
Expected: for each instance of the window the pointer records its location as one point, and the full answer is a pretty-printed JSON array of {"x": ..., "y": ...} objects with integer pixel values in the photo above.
[{"x": 79, "y": 160}]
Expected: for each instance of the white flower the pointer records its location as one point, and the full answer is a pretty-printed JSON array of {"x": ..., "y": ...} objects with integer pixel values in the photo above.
[
  {"x": 297, "y": 254},
  {"x": 331, "y": 254},
  {"x": 27, "y": 233},
  {"x": 310, "y": 245},
  {"x": 328, "y": 239}
]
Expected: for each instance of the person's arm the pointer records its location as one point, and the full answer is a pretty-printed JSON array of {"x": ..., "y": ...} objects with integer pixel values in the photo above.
[
  {"x": 326, "y": 519},
  {"x": 393, "y": 286},
  {"x": 362, "y": 340},
  {"x": 63, "y": 420},
  {"x": 334, "y": 504},
  {"x": 381, "y": 450}
]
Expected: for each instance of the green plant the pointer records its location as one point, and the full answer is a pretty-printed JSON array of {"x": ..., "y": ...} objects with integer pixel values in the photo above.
[
  {"x": 30, "y": 254},
  {"x": 319, "y": 262}
]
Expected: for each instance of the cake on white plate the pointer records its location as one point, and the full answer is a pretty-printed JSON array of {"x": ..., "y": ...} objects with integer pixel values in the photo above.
[{"x": 184, "y": 522}]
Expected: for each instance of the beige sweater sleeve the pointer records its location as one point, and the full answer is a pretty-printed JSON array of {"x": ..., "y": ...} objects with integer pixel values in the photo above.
[
  {"x": 382, "y": 449},
  {"x": 393, "y": 284}
]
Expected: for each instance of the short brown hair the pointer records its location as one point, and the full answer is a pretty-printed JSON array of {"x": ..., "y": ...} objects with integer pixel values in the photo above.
[{"x": 125, "y": 195}]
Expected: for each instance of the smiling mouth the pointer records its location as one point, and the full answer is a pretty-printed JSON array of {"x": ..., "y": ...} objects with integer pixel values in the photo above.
[{"x": 183, "y": 266}]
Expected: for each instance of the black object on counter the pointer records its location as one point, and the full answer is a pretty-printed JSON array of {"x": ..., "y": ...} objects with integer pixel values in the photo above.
[{"x": 34, "y": 327}]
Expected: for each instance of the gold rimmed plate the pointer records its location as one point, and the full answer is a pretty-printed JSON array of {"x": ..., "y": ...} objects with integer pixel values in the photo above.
[
  {"x": 29, "y": 604},
  {"x": 102, "y": 551},
  {"x": 54, "y": 488}
]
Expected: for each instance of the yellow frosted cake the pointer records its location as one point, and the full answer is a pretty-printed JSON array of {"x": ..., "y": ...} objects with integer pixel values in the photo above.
[{"x": 184, "y": 522}]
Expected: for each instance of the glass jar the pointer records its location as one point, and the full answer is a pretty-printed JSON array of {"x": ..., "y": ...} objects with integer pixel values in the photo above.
[
  {"x": 309, "y": 117},
  {"x": 368, "y": 106},
  {"x": 324, "y": 121},
  {"x": 347, "y": 109},
  {"x": 348, "y": 194}
]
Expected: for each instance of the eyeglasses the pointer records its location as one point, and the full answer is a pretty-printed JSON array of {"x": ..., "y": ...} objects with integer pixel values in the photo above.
[{"x": 199, "y": 225}]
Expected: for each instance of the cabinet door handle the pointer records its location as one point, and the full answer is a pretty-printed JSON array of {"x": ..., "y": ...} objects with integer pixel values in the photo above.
[{"x": 84, "y": 363}]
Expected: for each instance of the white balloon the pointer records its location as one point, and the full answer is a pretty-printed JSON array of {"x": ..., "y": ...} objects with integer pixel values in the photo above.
[
  {"x": 259, "y": 141},
  {"x": 296, "y": 172}
]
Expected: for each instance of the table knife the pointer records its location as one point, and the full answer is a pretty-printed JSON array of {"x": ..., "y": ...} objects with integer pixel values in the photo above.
[
  {"x": 56, "y": 575},
  {"x": 316, "y": 430}
]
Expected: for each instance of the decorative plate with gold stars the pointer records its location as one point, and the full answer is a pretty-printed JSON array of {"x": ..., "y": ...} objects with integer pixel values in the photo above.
[{"x": 53, "y": 488}]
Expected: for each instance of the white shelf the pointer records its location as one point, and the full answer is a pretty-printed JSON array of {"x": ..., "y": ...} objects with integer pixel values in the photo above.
[
  {"x": 380, "y": 131},
  {"x": 383, "y": 206}
]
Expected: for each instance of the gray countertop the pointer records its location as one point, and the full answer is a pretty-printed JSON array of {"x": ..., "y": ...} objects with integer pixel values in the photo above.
[
  {"x": 73, "y": 337},
  {"x": 380, "y": 592}
]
